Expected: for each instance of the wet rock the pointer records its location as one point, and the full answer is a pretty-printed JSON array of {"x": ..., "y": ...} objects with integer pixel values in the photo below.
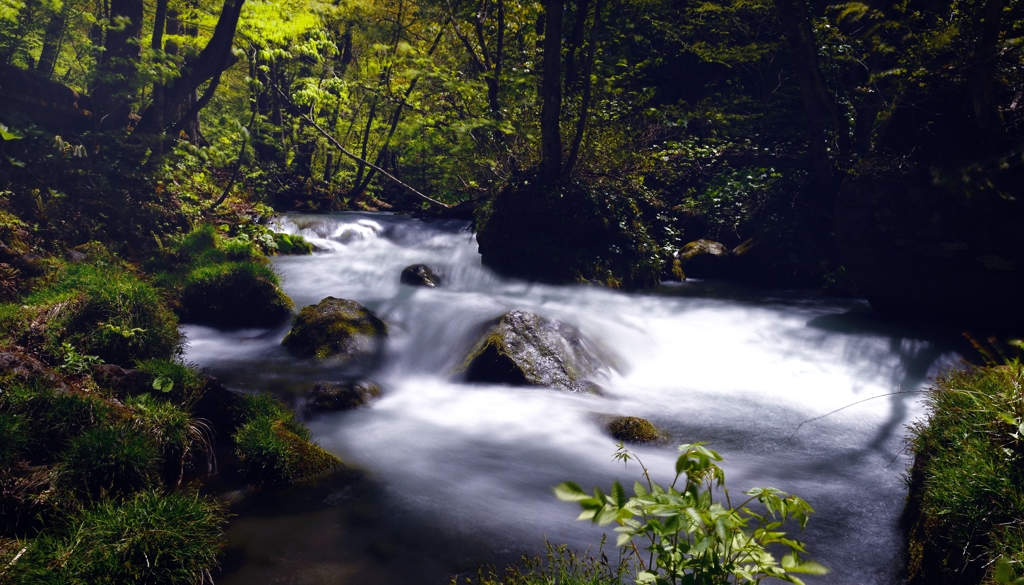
[
  {"x": 632, "y": 429},
  {"x": 336, "y": 328},
  {"x": 123, "y": 382},
  {"x": 327, "y": 397},
  {"x": 27, "y": 368},
  {"x": 420, "y": 275},
  {"x": 76, "y": 256},
  {"x": 522, "y": 348},
  {"x": 704, "y": 259},
  {"x": 219, "y": 406}
]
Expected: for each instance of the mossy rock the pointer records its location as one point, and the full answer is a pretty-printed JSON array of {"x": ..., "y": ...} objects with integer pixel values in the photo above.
[
  {"x": 104, "y": 311},
  {"x": 292, "y": 244},
  {"x": 521, "y": 348},
  {"x": 420, "y": 275},
  {"x": 234, "y": 294},
  {"x": 336, "y": 328},
  {"x": 327, "y": 397},
  {"x": 633, "y": 429},
  {"x": 704, "y": 259}
]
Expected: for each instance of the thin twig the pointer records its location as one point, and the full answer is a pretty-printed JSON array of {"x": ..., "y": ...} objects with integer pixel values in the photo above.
[{"x": 855, "y": 404}]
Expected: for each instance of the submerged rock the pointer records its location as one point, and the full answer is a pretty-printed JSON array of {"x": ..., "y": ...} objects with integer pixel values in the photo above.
[
  {"x": 632, "y": 429},
  {"x": 336, "y": 327},
  {"x": 522, "y": 348},
  {"x": 327, "y": 397},
  {"x": 420, "y": 275}
]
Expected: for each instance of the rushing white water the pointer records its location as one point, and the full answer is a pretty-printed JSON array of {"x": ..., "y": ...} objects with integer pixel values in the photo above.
[{"x": 464, "y": 472}]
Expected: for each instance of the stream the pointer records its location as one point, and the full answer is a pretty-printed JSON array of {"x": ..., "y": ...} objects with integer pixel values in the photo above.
[{"x": 446, "y": 476}]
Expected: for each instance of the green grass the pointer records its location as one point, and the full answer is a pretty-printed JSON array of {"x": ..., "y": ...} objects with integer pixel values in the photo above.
[
  {"x": 109, "y": 462},
  {"x": 186, "y": 382},
  {"x": 178, "y": 437},
  {"x": 152, "y": 539},
  {"x": 966, "y": 505},
  {"x": 234, "y": 294},
  {"x": 52, "y": 418},
  {"x": 559, "y": 566},
  {"x": 273, "y": 447},
  {"x": 105, "y": 311}
]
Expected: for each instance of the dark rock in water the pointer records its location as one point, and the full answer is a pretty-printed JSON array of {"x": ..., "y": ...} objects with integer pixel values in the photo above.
[
  {"x": 632, "y": 429},
  {"x": 522, "y": 348},
  {"x": 27, "y": 368},
  {"x": 420, "y": 275},
  {"x": 327, "y": 397},
  {"x": 915, "y": 248},
  {"x": 705, "y": 259},
  {"x": 336, "y": 327},
  {"x": 219, "y": 406},
  {"x": 123, "y": 382}
]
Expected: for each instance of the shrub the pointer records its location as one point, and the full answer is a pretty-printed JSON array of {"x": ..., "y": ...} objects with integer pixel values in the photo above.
[
  {"x": 273, "y": 447},
  {"x": 107, "y": 312},
  {"x": 687, "y": 536},
  {"x": 151, "y": 538},
  {"x": 236, "y": 294},
  {"x": 109, "y": 462}
]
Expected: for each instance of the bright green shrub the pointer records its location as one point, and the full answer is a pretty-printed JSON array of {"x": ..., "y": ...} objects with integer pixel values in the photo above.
[
  {"x": 235, "y": 294},
  {"x": 109, "y": 462},
  {"x": 107, "y": 312},
  {"x": 151, "y": 539}
]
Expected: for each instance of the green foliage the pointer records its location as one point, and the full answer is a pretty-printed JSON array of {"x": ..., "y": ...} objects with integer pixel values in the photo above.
[
  {"x": 152, "y": 538},
  {"x": 76, "y": 363},
  {"x": 14, "y": 439},
  {"x": 51, "y": 417},
  {"x": 180, "y": 382},
  {"x": 687, "y": 537},
  {"x": 179, "y": 437},
  {"x": 967, "y": 483},
  {"x": 109, "y": 462},
  {"x": 273, "y": 447},
  {"x": 559, "y": 566},
  {"x": 107, "y": 312},
  {"x": 292, "y": 244}
]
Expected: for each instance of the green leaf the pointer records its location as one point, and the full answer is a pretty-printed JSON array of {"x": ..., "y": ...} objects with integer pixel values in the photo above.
[
  {"x": 1004, "y": 570},
  {"x": 619, "y": 495},
  {"x": 163, "y": 384},
  {"x": 6, "y": 134}
]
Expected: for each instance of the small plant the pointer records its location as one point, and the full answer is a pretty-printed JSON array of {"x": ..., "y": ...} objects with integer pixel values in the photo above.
[
  {"x": 689, "y": 538},
  {"x": 76, "y": 363}
]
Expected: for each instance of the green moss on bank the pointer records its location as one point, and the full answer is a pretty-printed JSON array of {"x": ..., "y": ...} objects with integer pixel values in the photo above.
[{"x": 966, "y": 504}]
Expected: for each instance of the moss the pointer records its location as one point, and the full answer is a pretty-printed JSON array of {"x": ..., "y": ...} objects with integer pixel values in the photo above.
[
  {"x": 109, "y": 462},
  {"x": 104, "y": 311},
  {"x": 234, "y": 294},
  {"x": 274, "y": 448},
  {"x": 967, "y": 483},
  {"x": 293, "y": 244},
  {"x": 335, "y": 327},
  {"x": 152, "y": 538},
  {"x": 632, "y": 429}
]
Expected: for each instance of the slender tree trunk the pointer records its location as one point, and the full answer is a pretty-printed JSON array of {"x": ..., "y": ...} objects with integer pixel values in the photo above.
[
  {"x": 52, "y": 39},
  {"x": 986, "y": 111},
  {"x": 117, "y": 74},
  {"x": 581, "y": 122},
  {"x": 575, "y": 43},
  {"x": 551, "y": 92}
]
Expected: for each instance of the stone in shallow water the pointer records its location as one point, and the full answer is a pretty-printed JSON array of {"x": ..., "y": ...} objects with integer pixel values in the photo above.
[
  {"x": 633, "y": 429},
  {"x": 420, "y": 275},
  {"x": 328, "y": 397},
  {"x": 524, "y": 349},
  {"x": 337, "y": 328}
]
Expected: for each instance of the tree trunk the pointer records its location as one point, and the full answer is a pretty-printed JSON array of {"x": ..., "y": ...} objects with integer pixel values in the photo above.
[
  {"x": 551, "y": 92},
  {"x": 581, "y": 122},
  {"x": 52, "y": 39},
  {"x": 118, "y": 71},
  {"x": 207, "y": 67},
  {"x": 986, "y": 111}
]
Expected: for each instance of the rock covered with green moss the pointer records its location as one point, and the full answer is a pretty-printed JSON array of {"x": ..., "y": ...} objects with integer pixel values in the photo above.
[
  {"x": 337, "y": 328},
  {"x": 704, "y": 259},
  {"x": 328, "y": 397},
  {"x": 292, "y": 244},
  {"x": 633, "y": 429},
  {"x": 521, "y": 348},
  {"x": 234, "y": 294}
]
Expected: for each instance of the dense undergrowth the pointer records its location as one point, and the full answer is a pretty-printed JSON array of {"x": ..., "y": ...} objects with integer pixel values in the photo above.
[{"x": 966, "y": 505}]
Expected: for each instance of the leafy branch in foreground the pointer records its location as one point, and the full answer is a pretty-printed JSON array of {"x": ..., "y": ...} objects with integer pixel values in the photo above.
[{"x": 687, "y": 537}]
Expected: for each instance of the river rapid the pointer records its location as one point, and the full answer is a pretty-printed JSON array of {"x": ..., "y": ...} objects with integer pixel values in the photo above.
[{"x": 446, "y": 476}]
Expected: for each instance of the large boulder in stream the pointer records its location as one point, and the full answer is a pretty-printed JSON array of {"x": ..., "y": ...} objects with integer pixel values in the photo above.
[
  {"x": 524, "y": 349},
  {"x": 420, "y": 275},
  {"x": 704, "y": 259},
  {"x": 336, "y": 328}
]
